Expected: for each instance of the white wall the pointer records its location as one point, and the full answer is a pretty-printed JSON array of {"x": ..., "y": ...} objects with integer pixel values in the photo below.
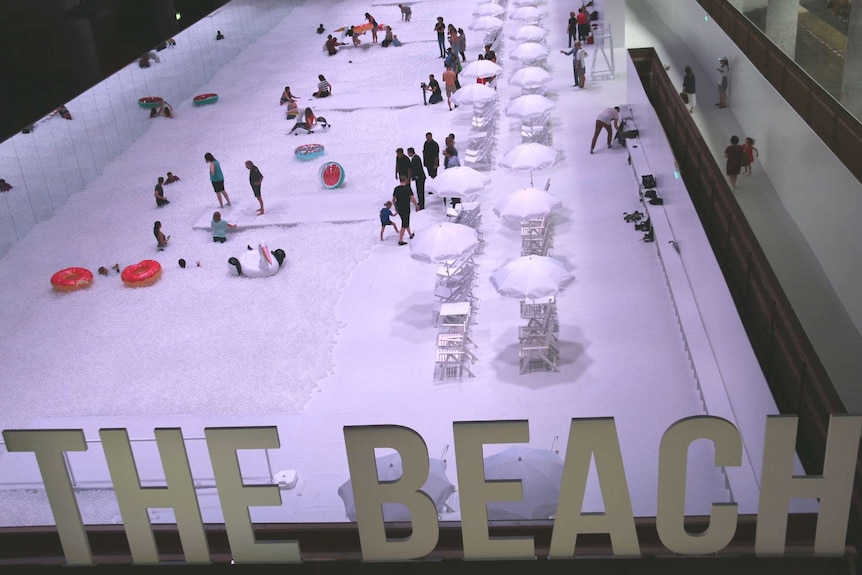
[{"x": 821, "y": 196}]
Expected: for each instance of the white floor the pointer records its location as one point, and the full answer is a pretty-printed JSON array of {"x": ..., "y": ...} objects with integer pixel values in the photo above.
[{"x": 342, "y": 335}]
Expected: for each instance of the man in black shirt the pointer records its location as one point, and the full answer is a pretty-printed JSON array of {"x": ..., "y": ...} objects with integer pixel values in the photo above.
[
  {"x": 418, "y": 175},
  {"x": 255, "y": 179},
  {"x": 433, "y": 86},
  {"x": 402, "y": 165},
  {"x": 431, "y": 155},
  {"x": 402, "y": 197}
]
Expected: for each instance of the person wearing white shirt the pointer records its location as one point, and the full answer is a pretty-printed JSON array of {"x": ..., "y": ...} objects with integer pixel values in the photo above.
[{"x": 604, "y": 121}]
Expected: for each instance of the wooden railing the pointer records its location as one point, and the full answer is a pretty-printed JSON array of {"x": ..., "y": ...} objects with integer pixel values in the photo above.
[
  {"x": 333, "y": 549},
  {"x": 837, "y": 127},
  {"x": 796, "y": 377}
]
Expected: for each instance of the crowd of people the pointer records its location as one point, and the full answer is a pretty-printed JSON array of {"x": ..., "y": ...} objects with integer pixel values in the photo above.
[
  {"x": 411, "y": 171},
  {"x": 219, "y": 226}
]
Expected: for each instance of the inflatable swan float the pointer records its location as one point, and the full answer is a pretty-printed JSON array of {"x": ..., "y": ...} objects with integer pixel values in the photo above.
[{"x": 257, "y": 264}]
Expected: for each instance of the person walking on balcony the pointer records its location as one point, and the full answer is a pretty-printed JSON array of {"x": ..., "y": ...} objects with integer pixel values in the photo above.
[
  {"x": 723, "y": 71},
  {"x": 689, "y": 88},
  {"x": 733, "y": 153}
]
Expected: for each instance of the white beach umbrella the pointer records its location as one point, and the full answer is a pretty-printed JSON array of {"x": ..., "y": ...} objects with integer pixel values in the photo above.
[
  {"x": 529, "y": 33},
  {"x": 527, "y": 14},
  {"x": 457, "y": 182},
  {"x": 530, "y": 77},
  {"x": 529, "y": 106},
  {"x": 486, "y": 23},
  {"x": 541, "y": 474},
  {"x": 444, "y": 242},
  {"x": 488, "y": 9},
  {"x": 481, "y": 69},
  {"x": 529, "y": 52},
  {"x": 389, "y": 468},
  {"x": 530, "y": 156},
  {"x": 474, "y": 94},
  {"x": 531, "y": 277},
  {"x": 526, "y": 203}
]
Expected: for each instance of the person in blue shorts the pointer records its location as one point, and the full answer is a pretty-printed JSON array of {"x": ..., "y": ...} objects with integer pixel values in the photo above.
[{"x": 385, "y": 214}]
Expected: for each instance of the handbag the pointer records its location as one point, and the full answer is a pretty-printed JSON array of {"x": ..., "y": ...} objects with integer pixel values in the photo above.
[
  {"x": 684, "y": 97},
  {"x": 590, "y": 39}
]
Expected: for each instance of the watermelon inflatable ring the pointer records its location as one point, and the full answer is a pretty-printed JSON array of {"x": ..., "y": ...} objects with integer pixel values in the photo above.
[
  {"x": 150, "y": 101},
  {"x": 204, "y": 99},
  {"x": 331, "y": 175},
  {"x": 308, "y": 151}
]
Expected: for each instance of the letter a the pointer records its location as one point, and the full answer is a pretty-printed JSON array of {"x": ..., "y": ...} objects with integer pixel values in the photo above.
[{"x": 594, "y": 439}]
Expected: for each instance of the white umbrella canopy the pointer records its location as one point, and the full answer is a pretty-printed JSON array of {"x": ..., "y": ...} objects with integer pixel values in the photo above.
[
  {"x": 529, "y": 106},
  {"x": 481, "y": 69},
  {"x": 530, "y": 156},
  {"x": 529, "y": 33},
  {"x": 531, "y": 277},
  {"x": 444, "y": 242},
  {"x": 389, "y": 468},
  {"x": 529, "y": 52},
  {"x": 474, "y": 94},
  {"x": 527, "y": 14},
  {"x": 486, "y": 23},
  {"x": 530, "y": 77},
  {"x": 541, "y": 475},
  {"x": 488, "y": 9},
  {"x": 526, "y": 203},
  {"x": 457, "y": 182}
]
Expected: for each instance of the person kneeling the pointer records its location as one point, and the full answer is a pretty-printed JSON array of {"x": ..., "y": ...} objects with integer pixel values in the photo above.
[{"x": 434, "y": 87}]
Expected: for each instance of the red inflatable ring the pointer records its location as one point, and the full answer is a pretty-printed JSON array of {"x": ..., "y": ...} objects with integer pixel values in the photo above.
[
  {"x": 142, "y": 273},
  {"x": 150, "y": 101},
  {"x": 308, "y": 151},
  {"x": 71, "y": 279},
  {"x": 204, "y": 99}
]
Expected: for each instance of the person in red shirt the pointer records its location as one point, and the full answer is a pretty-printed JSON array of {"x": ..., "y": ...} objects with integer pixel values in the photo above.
[{"x": 583, "y": 24}]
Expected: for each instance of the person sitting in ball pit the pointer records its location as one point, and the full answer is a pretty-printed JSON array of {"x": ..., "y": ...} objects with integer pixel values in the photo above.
[
  {"x": 220, "y": 227},
  {"x": 163, "y": 109},
  {"x": 388, "y": 38},
  {"x": 332, "y": 44},
  {"x": 321, "y": 29},
  {"x": 286, "y": 96},
  {"x": 307, "y": 123},
  {"x": 324, "y": 88},
  {"x": 170, "y": 179}
]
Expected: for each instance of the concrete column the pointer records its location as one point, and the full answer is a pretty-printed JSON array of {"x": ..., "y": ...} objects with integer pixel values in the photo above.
[
  {"x": 851, "y": 83},
  {"x": 782, "y": 20}
]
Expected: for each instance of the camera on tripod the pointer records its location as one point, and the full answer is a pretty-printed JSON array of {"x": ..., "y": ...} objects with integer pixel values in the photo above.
[{"x": 423, "y": 85}]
